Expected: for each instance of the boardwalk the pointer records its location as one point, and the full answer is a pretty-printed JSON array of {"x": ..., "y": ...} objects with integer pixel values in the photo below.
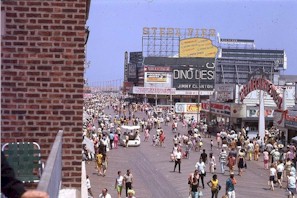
[{"x": 153, "y": 176}]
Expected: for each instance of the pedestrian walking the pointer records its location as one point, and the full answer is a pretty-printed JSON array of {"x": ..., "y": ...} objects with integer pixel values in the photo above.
[
  {"x": 104, "y": 193},
  {"x": 223, "y": 158},
  {"x": 203, "y": 156},
  {"x": 250, "y": 150},
  {"x": 89, "y": 186},
  {"x": 131, "y": 193},
  {"x": 214, "y": 186},
  {"x": 99, "y": 157},
  {"x": 272, "y": 174},
  {"x": 191, "y": 180},
  {"x": 200, "y": 166},
  {"x": 104, "y": 165},
  {"x": 212, "y": 163},
  {"x": 230, "y": 186},
  {"x": 194, "y": 188},
  {"x": 280, "y": 169},
  {"x": 111, "y": 139},
  {"x": 241, "y": 161},
  {"x": 265, "y": 158},
  {"x": 128, "y": 180},
  {"x": 178, "y": 156},
  {"x": 119, "y": 184},
  {"x": 291, "y": 185}
]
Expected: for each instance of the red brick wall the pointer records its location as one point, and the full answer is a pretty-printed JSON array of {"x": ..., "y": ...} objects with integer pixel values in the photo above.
[{"x": 42, "y": 76}]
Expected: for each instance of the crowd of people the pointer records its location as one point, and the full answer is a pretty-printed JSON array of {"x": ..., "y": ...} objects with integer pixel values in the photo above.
[{"x": 235, "y": 147}]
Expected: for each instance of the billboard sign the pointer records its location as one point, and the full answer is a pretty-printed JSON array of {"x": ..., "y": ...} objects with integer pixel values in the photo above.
[
  {"x": 200, "y": 76},
  {"x": 153, "y": 90},
  {"x": 197, "y": 47},
  {"x": 156, "y": 68},
  {"x": 186, "y": 108},
  {"x": 225, "y": 92},
  {"x": 178, "y": 32},
  {"x": 155, "y": 77}
]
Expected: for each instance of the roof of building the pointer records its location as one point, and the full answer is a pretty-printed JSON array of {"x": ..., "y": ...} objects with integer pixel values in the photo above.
[{"x": 288, "y": 78}]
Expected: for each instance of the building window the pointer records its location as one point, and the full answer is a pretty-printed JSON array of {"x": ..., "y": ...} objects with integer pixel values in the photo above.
[{"x": 3, "y": 22}]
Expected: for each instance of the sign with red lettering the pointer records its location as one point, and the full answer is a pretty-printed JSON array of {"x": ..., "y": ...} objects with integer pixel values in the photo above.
[{"x": 262, "y": 84}]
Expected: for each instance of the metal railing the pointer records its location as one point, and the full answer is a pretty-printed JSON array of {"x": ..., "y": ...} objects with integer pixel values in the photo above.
[
  {"x": 84, "y": 190},
  {"x": 50, "y": 181}
]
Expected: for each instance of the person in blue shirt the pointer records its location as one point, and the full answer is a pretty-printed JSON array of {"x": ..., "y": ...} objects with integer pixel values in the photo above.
[
  {"x": 111, "y": 138},
  {"x": 230, "y": 189}
]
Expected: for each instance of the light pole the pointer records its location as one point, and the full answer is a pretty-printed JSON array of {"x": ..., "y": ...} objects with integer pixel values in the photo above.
[
  {"x": 198, "y": 99},
  {"x": 198, "y": 95}
]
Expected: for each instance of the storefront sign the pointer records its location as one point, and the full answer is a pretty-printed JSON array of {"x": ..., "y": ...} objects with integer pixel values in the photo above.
[
  {"x": 291, "y": 120},
  {"x": 198, "y": 77},
  {"x": 153, "y": 90},
  {"x": 265, "y": 85},
  {"x": 193, "y": 93},
  {"x": 186, "y": 108},
  {"x": 219, "y": 108}
]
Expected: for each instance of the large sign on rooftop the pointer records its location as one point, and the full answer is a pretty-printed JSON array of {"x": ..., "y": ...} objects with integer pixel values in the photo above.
[
  {"x": 197, "y": 47},
  {"x": 179, "y": 32}
]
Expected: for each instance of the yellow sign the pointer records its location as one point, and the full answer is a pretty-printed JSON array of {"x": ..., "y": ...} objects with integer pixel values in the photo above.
[
  {"x": 197, "y": 47},
  {"x": 192, "y": 108},
  {"x": 187, "y": 108}
]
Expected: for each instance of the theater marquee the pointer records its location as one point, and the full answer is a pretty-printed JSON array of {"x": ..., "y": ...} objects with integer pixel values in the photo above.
[{"x": 200, "y": 76}]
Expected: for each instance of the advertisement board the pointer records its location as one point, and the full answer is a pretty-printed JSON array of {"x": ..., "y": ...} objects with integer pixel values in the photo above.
[
  {"x": 155, "y": 77},
  {"x": 186, "y": 108},
  {"x": 148, "y": 68},
  {"x": 200, "y": 76},
  {"x": 225, "y": 92},
  {"x": 220, "y": 109},
  {"x": 193, "y": 93},
  {"x": 153, "y": 90},
  {"x": 197, "y": 47}
]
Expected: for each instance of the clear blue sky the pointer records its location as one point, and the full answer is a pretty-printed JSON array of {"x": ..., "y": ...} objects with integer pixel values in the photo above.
[{"x": 116, "y": 27}]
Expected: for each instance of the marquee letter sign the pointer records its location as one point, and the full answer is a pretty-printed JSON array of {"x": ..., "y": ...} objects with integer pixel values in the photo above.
[{"x": 264, "y": 85}]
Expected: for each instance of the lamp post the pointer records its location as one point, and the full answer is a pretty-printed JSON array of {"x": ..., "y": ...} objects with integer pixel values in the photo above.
[
  {"x": 198, "y": 99},
  {"x": 198, "y": 95}
]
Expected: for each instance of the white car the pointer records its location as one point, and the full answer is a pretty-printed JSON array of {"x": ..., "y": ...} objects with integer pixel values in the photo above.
[{"x": 131, "y": 143}]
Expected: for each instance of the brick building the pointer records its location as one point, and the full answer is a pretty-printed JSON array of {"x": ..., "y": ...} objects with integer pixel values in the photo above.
[{"x": 42, "y": 76}]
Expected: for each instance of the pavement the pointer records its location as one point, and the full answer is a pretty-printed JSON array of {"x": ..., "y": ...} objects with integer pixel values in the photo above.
[{"x": 154, "y": 177}]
